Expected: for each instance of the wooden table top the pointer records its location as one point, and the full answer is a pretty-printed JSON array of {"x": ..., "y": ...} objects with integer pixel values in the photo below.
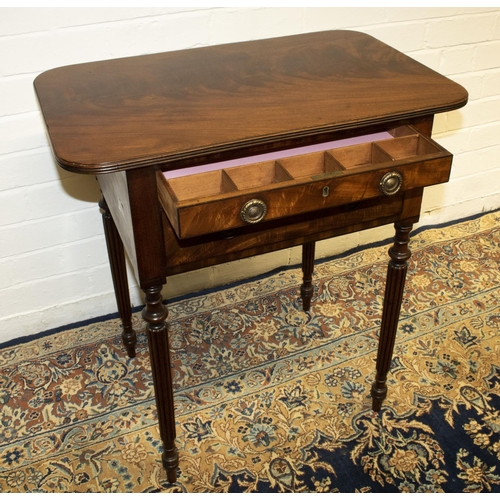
[{"x": 125, "y": 113}]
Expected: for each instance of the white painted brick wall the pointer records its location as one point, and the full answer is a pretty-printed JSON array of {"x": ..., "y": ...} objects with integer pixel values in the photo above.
[{"x": 53, "y": 264}]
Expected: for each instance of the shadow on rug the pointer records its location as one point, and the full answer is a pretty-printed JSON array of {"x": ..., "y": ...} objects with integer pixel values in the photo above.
[{"x": 272, "y": 399}]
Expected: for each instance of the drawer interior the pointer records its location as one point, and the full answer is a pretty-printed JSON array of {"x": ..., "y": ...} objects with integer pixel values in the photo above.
[
  {"x": 401, "y": 143},
  {"x": 359, "y": 156},
  {"x": 261, "y": 174},
  {"x": 304, "y": 166},
  {"x": 407, "y": 147},
  {"x": 202, "y": 185}
]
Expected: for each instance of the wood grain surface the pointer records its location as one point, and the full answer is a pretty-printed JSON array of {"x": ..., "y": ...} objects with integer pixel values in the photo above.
[{"x": 126, "y": 113}]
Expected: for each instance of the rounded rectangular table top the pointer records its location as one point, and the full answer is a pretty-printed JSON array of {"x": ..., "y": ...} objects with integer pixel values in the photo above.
[{"x": 131, "y": 112}]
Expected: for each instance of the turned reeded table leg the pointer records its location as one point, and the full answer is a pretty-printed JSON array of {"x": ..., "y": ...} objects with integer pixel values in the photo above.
[
  {"x": 155, "y": 314},
  {"x": 118, "y": 266},
  {"x": 396, "y": 275},
  {"x": 307, "y": 288}
]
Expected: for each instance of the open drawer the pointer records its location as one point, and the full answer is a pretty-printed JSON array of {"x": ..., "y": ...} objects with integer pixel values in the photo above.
[{"x": 218, "y": 197}]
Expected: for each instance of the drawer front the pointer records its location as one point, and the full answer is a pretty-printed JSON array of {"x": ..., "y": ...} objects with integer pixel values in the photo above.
[{"x": 226, "y": 199}]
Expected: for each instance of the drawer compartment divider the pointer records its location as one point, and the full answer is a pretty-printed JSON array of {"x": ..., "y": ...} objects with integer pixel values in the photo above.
[
  {"x": 202, "y": 185},
  {"x": 258, "y": 175}
]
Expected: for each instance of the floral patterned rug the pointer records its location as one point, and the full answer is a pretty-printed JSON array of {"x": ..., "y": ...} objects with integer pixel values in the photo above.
[{"x": 272, "y": 399}]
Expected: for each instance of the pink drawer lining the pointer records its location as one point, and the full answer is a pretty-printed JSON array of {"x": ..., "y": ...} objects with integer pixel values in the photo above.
[{"x": 277, "y": 154}]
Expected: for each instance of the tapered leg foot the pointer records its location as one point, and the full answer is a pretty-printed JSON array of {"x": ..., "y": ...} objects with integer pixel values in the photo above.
[
  {"x": 396, "y": 276},
  {"x": 307, "y": 288},
  {"x": 129, "y": 340},
  {"x": 170, "y": 460},
  {"x": 118, "y": 266},
  {"x": 379, "y": 393},
  {"x": 155, "y": 314}
]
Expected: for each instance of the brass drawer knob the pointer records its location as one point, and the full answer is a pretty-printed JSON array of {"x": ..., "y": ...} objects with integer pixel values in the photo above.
[
  {"x": 253, "y": 211},
  {"x": 391, "y": 183}
]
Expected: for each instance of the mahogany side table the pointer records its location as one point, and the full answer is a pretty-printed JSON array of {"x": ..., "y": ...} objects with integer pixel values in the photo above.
[{"x": 219, "y": 153}]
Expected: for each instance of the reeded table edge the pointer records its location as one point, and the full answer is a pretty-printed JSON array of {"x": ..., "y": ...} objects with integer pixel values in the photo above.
[{"x": 207, "y": 151}]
